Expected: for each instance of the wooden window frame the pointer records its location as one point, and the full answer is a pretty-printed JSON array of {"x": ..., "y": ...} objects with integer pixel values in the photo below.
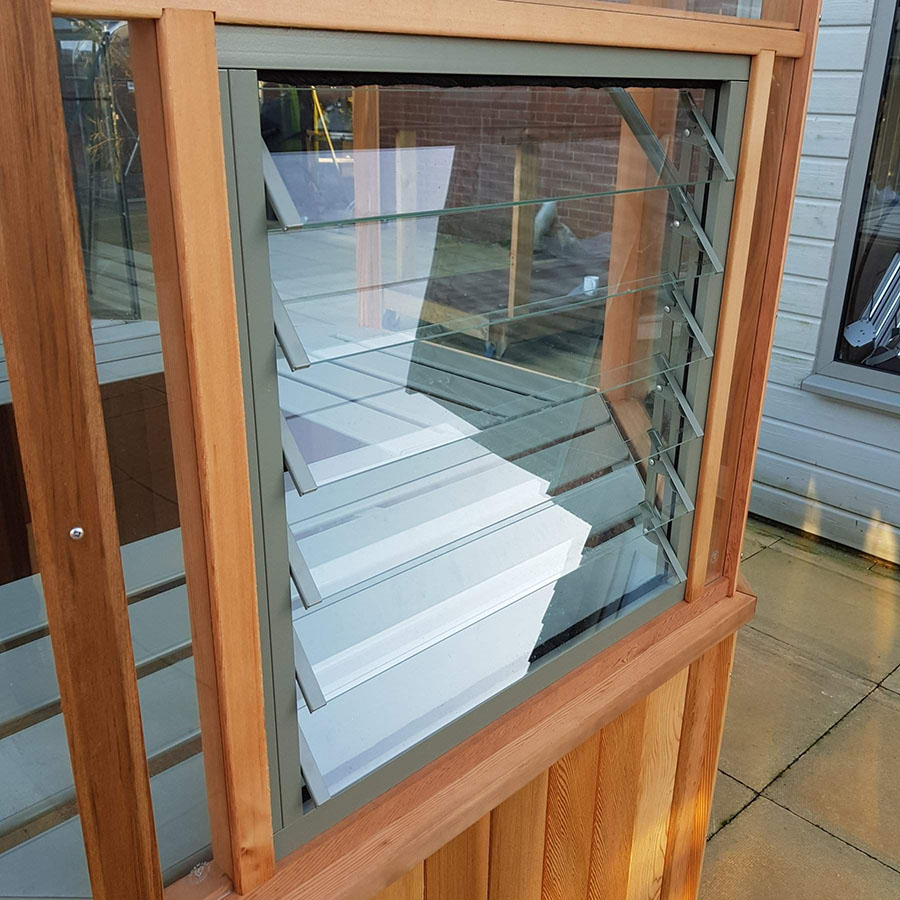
[{"x": 175, "y": 64}]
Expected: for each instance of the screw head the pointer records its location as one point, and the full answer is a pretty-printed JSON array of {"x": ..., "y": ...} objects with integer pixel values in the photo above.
[
  {"x": 659, "y": 388},
  {"x": 687, "y": 132},
  {"x": 667, "y": 308},
  {"x": 76, "y": 533},
  {"x": 676, "y": 223},
  {"x": 651, "y": 461}
]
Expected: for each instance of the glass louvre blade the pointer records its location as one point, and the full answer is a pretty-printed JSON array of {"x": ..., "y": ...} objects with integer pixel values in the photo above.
[
  {"x": 449, "y": 672},
  {"x": 557, "y": 450},
  {"x": 300, "y": 574},
  {"x": 410, "y": 167},
  {"x": 279, "y": 196}
]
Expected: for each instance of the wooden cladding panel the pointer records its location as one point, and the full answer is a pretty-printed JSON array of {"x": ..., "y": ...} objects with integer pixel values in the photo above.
[
  {"x": 622, "y": 816},
  {"x": 46, "y": 333},
  {"x": 459, "y": 870},
  {"x": 518, "y": 831}
]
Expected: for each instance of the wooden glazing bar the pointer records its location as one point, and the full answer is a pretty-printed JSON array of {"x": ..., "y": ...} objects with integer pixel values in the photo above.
[
  {"x": 184, "y": 172},
  {"x": 729, "y": 318},
  {"x": 504, "y": 19},
  {"x": 46, "y": 330},
  {"x": 367, "y": 203}
]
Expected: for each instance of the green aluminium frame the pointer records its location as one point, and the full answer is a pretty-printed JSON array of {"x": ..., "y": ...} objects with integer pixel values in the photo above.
[{"x": 242, "y": 51}]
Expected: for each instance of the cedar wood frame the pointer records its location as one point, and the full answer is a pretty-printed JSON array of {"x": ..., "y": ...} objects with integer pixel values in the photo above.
[{"x": 44, "y": 314}]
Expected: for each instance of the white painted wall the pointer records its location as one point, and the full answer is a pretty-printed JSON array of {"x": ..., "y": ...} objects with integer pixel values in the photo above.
[{"x": 826, "y": 466}]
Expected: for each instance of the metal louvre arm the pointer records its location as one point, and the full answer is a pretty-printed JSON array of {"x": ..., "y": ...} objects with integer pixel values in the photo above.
[
  {"x": 670, "y": 383},
  {"x": 653, "y": 526},
  {"x": 288, "y": 339},
  {"x": 306, "y": 586},
  {"x": 685, "y": 313},
  {"x": 662, "y": 458},
  {"x": 688, "y": 102},
  {"x": 294, "y": 462},
  {"x": 310, "y": 689},
  {"x": 315, "y": 783},
  {"x": 279, "y": 197},
  {"x": 662, "y": 165}
]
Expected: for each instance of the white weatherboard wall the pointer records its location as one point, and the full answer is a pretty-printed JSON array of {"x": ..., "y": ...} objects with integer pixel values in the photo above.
[{"x": 827, "y": 466}]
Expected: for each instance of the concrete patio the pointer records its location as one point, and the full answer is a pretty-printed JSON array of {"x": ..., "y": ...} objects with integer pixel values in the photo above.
[{"x": 807, "y": 801}]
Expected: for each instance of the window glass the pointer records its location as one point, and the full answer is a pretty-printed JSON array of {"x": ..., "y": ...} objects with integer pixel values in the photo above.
[
  {"x": 870, "y": 325},
  {"x": 41, "y": 849},
  {"x": 487, "y": 351}
]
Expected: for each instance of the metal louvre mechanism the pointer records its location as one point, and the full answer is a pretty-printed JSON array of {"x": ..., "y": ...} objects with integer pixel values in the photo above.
[
  {"x": 279, "y": 197},
  {"x": 288, "y": 339},
  {"x": 669, "y": 386},
  {"x": 306, "y": 679},
  {"x": 709, "y": 139},
  {"x": 654, "y": 525},
  {"x": 661, "y": 459},
  {"x": 880, "y": 321},
  {"x": 681, "y": 311},
  {"x": 294, "y": 463},
  {"x": 302, "y": 577},
  {"x": 662, "y": 165}
]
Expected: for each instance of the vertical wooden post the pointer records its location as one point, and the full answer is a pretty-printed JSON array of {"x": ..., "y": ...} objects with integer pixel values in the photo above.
[
  {"x": 775, "y": 203},
  {"x": 46, "y": 331},
  {"x": 695, "y": 777},
  {"x": 367, "y": 202},
  {"x": 746, "y": 185},
  {"x": 184, "y": 171}
]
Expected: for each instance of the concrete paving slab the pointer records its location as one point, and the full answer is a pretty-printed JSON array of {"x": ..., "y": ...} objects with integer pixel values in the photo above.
[
  {"x": 767, "y": 853},
  {"x": 780, "y": 702},
  {"x": 839, "y": 613},
  {"x": 849, "y": 782},
  {"x": 729, "y": 798}
]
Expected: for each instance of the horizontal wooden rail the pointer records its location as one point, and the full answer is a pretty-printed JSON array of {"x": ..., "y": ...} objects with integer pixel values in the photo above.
[{"x": 502, "y": 19}]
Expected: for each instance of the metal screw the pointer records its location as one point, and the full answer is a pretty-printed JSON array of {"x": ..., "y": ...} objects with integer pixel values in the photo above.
[
  {"x": 687, "y": 132},
  {"x": 659, "y": 388},
  {"x": 667, "y": 308},
  {"x": 651, "y": 461},
  {"x": 76, "y": 533},
  {"x": 676, "y": 223}
]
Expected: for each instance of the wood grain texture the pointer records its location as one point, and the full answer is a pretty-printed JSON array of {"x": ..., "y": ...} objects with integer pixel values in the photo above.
[
  {"x": 46, "y": 332},
  {"x": 503, "y": 19},
  {"x": 459, "y": 870},
  {"x": 659, "y": 758},
  {"x": 571, "y": 793},
  {"x": 638, "y": 754},
  {"x": 618, "y": 784},
  {"x": 410, "y": 886},
  {"x": 375, "y": 845},
  {"x": 695, "y": 779},
  {"x": 184, "y": 170},
  {"x": 729, "y": 318},
  {"x": 518, "y": 829},
  {"x": 769, "y": 242}
]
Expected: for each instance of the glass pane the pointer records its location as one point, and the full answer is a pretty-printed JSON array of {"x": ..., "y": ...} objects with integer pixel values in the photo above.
[
  {"x": 785, "y": 13},
  {"x": 455, "y": 149},
  {"x": 39, "y": 825},
  {"x": 870, "y": 329},
  {"x": 484, "y": 307}
]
